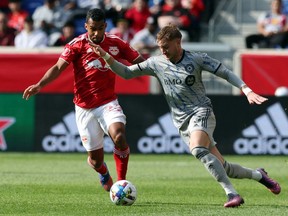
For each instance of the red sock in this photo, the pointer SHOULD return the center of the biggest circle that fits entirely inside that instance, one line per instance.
(121, 158)
(102, 169)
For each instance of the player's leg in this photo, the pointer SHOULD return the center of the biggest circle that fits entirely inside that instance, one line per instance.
(201, 127)
(239, 172)
(113, 124)
(92, 139)
(96, 161)
(121, 149)
(199, 144)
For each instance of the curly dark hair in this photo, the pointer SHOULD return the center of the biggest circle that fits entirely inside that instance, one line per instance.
(95, 14)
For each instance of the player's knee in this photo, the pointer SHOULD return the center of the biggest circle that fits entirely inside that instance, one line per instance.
(199, 152)
(119, 140)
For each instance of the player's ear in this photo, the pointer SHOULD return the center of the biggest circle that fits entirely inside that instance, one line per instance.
(86, 26)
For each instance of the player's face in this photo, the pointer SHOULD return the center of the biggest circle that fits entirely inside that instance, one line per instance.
(96, 30)
(171, 49)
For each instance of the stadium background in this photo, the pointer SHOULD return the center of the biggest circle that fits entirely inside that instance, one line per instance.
(26, 125)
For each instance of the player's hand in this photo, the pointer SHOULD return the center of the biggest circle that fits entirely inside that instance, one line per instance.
(30, 91)
(97, 49)
(254, 98)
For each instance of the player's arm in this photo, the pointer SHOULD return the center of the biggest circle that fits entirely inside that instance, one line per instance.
(48, 77)
(139, 59)
(126, 72)
(227, 74)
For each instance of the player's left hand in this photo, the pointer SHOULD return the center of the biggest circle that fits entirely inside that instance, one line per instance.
(254, 98)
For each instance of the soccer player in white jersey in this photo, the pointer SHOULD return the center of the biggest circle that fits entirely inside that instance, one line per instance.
(179, 73)
(97, 109)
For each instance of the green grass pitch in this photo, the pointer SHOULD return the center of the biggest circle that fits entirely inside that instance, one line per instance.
(169, 185)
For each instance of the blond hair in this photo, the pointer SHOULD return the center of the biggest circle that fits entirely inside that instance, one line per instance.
(168, 33)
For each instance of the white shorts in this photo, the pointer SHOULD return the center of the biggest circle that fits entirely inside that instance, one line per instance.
(204, 120)
(93, 124)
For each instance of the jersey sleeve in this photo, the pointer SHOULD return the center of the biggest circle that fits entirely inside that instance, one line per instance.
(69, 52)
(128, 72)
(207, 63)
(217, 68)
(130, 53)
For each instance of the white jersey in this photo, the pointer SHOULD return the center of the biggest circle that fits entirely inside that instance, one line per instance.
(181, 82)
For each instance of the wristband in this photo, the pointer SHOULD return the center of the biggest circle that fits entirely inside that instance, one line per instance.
(246, 90)
(106, 56)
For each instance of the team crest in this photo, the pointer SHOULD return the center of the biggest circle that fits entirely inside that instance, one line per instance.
(66, 52)
(189, 67)
(113, 50)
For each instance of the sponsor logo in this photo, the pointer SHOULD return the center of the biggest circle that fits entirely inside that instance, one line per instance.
(97, 64)
(65, 137)
(66, 52)
(190, 80)
(173, 82)
(5, 122)
(162, 137)
(268, 134)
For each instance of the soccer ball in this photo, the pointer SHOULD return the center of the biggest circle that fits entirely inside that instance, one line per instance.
(123, 193)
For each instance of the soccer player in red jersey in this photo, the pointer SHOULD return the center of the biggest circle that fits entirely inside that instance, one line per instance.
(97, 109)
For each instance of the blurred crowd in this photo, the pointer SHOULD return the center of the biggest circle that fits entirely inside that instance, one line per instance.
(55, 22)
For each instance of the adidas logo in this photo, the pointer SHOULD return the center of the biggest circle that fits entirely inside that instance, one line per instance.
(268, 134)
(65, 137)
(162, 137)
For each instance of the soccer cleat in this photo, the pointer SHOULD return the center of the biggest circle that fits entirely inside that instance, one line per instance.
(271, 184)
(106, 180)
(234, 200)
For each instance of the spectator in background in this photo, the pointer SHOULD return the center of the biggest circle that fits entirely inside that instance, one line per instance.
(48, 17)
(16, 15)
(172, 12)
(30, 37)
(196, 7)
(138, 14)
(272, 29)
(89, 4)
(68, 33)
(7, 34)
(122, 29)
(121, 5)
(144, 41)
(155, 6)
(68, 8)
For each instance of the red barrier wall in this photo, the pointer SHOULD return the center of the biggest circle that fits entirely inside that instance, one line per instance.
(264, 71)
(19, 70)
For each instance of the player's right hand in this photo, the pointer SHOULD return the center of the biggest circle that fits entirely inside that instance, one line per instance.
(98, 50)
(30, 91)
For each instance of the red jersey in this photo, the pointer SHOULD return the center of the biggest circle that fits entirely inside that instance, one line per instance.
(16, 20)
(94, 82)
